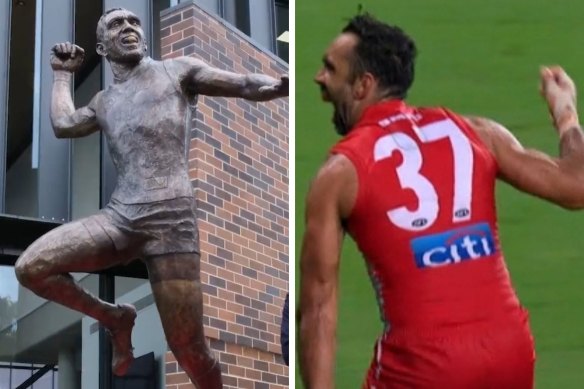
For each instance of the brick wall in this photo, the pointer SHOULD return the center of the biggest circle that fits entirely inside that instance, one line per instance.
(239, 167)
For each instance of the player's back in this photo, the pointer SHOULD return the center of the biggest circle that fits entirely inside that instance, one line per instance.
(425, 218)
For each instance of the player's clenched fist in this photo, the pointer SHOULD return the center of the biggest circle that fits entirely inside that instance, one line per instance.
(67, 56)
(560, 93)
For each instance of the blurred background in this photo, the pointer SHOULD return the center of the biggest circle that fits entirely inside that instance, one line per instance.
(480, 58)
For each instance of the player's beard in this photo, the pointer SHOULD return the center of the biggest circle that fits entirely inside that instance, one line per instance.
(340, 111)
(341, 118)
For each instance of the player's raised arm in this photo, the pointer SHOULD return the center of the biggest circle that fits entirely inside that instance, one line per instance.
(329, 200)
(66, 58)
(196, 77)
(559, 180)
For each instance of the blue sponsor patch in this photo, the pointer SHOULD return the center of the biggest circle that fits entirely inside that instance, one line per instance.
(454, 246)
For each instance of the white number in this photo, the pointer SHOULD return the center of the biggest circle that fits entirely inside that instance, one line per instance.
(463, 164)
(410, 178)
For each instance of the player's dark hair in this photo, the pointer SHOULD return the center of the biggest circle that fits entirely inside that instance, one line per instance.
(385, 51)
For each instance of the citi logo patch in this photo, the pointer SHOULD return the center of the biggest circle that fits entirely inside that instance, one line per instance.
(454, 246)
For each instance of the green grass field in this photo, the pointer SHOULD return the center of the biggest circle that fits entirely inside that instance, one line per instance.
(476, 57)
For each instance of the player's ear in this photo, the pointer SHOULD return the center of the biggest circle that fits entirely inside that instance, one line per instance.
(100, 49)
(363, 86)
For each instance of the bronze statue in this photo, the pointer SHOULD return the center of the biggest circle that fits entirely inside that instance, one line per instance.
(151, 214)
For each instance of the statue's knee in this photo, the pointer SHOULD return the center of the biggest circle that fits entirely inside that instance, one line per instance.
(23, 273)
(28, 271)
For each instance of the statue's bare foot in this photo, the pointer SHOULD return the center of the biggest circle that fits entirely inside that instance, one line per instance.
(121, 336)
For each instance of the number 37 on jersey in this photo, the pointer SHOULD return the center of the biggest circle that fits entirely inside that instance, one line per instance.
(410, 177)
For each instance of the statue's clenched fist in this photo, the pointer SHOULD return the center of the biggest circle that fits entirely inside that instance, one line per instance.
(67, 56)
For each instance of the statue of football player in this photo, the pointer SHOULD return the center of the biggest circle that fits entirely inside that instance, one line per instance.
(151, 214)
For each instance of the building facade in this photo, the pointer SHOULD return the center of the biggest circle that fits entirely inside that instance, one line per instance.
(239, 169)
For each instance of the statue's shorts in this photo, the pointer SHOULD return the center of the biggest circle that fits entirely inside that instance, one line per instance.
(149, 229)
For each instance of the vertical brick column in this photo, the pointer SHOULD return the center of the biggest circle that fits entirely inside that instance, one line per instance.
(239, 168)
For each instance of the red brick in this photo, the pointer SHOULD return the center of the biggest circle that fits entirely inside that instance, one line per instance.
(246, 251)
(176, 378)
(172, 38)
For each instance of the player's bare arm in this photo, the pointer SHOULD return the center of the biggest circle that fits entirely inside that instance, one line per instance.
(559, 180)
(196, 77)
(329, 201)
(66, 59)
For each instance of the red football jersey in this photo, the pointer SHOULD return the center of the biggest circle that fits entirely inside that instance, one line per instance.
(425, 217)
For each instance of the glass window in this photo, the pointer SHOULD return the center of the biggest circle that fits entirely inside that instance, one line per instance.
(236, 12)
(45, 382)
(20, 373)
(157, 7)
(27, 330)
(8, 311)
(21, 178)
(282, 26)
(14, 374)
(4, 378)
(213, 6)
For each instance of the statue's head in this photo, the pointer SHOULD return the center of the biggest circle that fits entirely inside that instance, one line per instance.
(120, 37)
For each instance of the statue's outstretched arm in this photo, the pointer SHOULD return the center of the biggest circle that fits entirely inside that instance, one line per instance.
(196, 77)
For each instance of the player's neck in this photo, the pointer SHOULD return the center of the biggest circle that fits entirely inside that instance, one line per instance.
(360, 107)
(124, 71)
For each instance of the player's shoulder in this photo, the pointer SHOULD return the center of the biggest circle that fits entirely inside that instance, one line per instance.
(357, 146)
(434, 112)
(334, 174)
(334, 168)
(334, 184)
(463, 121)
(488, 130)
(335, 165)
(183, 64)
